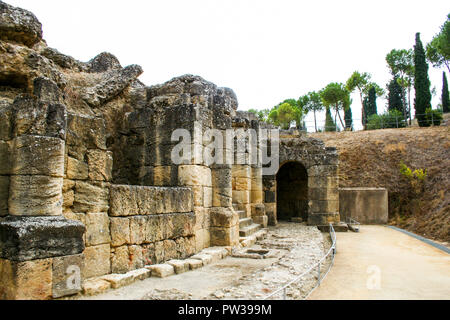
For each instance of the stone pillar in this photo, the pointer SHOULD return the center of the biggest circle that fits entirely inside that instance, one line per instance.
(270, 199)
(39, 248)
(323, 190)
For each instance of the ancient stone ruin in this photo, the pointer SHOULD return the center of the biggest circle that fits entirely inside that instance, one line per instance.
(88, 184)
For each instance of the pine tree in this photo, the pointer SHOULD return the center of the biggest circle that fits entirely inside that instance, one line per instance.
(422, 101)
(330, 125)
(445, 95)
(395, 100)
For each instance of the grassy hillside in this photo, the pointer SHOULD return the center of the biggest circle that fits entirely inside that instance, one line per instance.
(372, 158)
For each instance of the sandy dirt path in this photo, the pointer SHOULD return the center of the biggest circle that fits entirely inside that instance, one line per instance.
(382, 263)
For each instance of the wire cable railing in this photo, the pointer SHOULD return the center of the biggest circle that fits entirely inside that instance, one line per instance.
(317, 266)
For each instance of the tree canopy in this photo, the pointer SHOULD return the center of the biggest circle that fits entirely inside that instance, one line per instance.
(438, 50)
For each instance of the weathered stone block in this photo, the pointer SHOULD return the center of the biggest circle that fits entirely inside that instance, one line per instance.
(100, 165)
(32, 117)
(256, 196)
(202, 239)
(258, 210)
(120, 260)
(156, 228)
(203, 257)
(241, 196)
(5, 157)
(28, 280)
(242, 171)
(324, 206)
(36, 155)
(221, 178)
(194, 175)
(137, 259)
(222, 197)
(119, 280)
(136, 200)
(271, 212)
(198, 195)
(86, 131)
(5, 120)
(80, 217)
(161, 270)
(123, 201)
(242, 183)
(138, 227)
(183, 225)
(35, 195)
(76, 169)
(224, 236)
(30, 238)
(262, 220)
(91, 197)
(68, 198)
(180, 266)
(120, 231)
(67, 275)
(4, 195)
(163, 175)
(217, 253)
(207, 197)
(92, 287)
(97, 259)
(224, 217)
(97, 229)
(140, 274)
(170, 249)
(194, 263)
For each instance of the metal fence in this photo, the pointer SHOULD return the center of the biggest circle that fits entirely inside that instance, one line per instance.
(382, 122)
(315, 268)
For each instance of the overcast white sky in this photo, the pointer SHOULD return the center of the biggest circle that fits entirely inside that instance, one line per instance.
(266, 51)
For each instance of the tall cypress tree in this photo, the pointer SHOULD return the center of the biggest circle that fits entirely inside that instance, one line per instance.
(395, 101)
(422, 102)
(445, 96)
(330, 125)
(372, 102)
(348, 118)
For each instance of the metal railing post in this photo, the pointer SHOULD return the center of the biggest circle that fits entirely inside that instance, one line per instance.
(318, 274)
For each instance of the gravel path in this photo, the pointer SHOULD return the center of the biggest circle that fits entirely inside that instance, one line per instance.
(301, 247)
(293, 249)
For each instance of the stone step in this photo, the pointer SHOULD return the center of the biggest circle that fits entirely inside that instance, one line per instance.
(338, 227)
(247, 231)
(242, 214)
(252, 239)
(245, 222)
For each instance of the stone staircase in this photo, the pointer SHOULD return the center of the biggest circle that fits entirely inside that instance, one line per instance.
(249, 232)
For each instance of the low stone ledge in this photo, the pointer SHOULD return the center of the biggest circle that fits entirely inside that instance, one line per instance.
(180, 266)
(204, 258)
(31, 238)
(161, 270)
(194, 264)
(95, 286)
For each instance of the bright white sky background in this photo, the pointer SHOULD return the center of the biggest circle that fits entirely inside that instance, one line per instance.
(266, 51)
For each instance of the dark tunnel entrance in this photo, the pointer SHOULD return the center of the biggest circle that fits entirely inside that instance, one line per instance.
(292, 192)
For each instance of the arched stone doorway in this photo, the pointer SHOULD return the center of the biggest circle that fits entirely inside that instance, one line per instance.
(292, 191)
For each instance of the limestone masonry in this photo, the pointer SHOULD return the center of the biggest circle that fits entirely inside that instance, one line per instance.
(88, 187)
